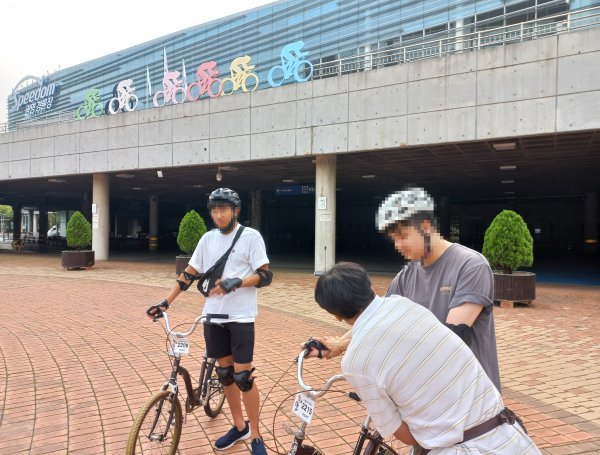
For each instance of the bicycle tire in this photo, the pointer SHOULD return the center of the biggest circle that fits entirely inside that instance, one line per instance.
(222, 86)
(98, 107)
(188, 92)
(300, 72)
(78, 112)
(131, 103)
(156, 403)
(183, 98)
(273, 82)
(155, 98)
(308, 450)
(111, 106)
(215, 395)
(378, 447)
(219, 88)
(245, 87)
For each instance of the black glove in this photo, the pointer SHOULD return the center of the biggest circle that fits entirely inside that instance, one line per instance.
(310, 344)
(230, 284)
(156, 311)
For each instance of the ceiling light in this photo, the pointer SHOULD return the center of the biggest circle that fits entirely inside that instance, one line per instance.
(197, 186)
(159, 174)
(57, 180)
(125, 176)
(505, 146)
(219, 176)
(137, 188)
(511, 167)
(368, 176)
(229, 168)
(507, 181)
(288, 181)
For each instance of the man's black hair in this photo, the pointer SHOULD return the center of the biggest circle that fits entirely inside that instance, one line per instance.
(415, 221)
(344, 290)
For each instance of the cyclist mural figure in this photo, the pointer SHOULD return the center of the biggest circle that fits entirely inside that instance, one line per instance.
(292, 64)
(92, 107)
(241, 76)
(232, 343)
(419, 381)
(124, 98)
(173, 90)
(207, 83)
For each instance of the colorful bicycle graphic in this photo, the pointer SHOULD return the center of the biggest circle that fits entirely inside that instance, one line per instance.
(92, 107)
(292, 64)
(124, 99)
(207, 82)
(241, 76)
(173, 90)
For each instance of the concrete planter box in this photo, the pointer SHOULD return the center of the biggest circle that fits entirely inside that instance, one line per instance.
(514, 287)
(181, 262)
(78, 259)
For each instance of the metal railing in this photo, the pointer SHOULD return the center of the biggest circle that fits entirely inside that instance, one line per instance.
(460, 42)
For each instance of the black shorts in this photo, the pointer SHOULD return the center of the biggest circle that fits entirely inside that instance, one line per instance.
(233, 338)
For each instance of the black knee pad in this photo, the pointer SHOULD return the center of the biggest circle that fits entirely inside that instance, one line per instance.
(243, 380)
(225, 375)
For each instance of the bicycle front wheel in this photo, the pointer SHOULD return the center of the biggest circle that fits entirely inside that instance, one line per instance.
(213, 392)
(157, 428)
(378, 447)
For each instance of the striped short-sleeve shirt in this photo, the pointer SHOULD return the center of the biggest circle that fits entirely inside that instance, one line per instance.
(408, 367)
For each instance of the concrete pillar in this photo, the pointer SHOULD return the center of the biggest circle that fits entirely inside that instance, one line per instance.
(34, 222)
(459, 34)
(590, 224)
(443, 216)
(30, 221)
(17, 218)
(153, 223)
(256, 200)
(43, 223)
(100, 216)
(325, 213)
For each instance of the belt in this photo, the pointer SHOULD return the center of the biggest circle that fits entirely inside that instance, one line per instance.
(506, 416)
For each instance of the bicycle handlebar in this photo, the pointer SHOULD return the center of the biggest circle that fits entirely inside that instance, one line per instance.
(323, 390)
(204, 318)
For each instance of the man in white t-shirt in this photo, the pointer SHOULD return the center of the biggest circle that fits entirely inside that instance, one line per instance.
(232, 341)
(419, 381)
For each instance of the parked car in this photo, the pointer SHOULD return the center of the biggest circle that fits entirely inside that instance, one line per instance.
(52, 232)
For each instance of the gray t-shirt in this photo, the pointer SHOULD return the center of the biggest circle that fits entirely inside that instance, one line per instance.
(460, 275)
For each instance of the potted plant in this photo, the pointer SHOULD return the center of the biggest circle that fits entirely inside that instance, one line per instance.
(508, 245)
(79, 237)
(191, 230)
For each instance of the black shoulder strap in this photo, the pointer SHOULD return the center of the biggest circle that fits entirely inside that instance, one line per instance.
(235, 239)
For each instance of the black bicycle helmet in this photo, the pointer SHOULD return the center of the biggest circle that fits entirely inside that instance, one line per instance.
(223, 196)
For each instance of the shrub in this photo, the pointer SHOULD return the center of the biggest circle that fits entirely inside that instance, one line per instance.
(507, 244)
(79, 232)
(191, 230)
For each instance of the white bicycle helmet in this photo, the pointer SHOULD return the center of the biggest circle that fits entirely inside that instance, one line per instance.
(402, 206)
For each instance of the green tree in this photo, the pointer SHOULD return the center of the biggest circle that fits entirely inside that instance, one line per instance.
(507, 244)
(7, 211)
(79, 232)
(191, 230)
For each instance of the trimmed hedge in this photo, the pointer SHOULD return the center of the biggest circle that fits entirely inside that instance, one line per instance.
(507, 244)
(191, 230)
(79, 232)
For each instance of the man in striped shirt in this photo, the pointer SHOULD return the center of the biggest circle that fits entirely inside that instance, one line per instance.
(419, 381)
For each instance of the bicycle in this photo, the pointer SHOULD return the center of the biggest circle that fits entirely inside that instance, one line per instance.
(304, 406)
(206, 80)
(291, 65)
(159, 424)
(91, 105)
(124, 98)
(172, 86)
(241, 73)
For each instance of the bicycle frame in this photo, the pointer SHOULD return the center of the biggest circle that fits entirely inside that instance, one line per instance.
(365, 433)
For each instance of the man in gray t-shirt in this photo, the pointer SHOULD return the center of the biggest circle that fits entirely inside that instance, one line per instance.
(454, 282)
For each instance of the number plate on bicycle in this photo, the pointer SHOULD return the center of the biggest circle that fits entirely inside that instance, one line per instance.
(304, 407)
(180, 346)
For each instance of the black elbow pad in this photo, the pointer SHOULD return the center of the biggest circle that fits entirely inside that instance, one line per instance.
(463, 331)
(265, 277)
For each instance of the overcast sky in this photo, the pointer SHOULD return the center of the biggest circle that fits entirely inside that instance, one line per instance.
(40, 36)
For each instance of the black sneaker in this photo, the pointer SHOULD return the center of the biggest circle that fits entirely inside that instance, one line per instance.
(258, 447)
(232, 436)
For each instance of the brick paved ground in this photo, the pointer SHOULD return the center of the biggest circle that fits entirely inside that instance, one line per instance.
(78, 359)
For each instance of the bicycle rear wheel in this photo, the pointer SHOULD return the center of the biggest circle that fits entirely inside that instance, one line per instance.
(157, 428)
(378, 447)
(213, 391)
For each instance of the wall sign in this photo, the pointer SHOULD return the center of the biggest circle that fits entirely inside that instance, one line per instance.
(37, 100)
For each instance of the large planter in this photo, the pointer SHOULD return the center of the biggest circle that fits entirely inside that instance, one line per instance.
(181, 262)
(77, 259)
(514, 287)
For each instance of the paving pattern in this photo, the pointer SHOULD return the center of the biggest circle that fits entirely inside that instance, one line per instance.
(78, 359)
